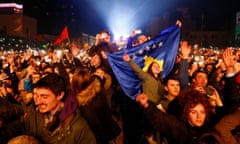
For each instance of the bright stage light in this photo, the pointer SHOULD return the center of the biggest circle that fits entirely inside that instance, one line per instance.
(120, 37)
(122, 17)
(121, 21)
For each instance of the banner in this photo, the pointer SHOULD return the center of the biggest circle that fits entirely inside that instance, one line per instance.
(163, 47)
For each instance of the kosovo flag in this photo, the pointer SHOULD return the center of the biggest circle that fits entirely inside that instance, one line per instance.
(163, 48)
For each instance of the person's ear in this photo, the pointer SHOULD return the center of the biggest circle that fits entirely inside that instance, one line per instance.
(60, 96)
(165, 88)
(193, 80)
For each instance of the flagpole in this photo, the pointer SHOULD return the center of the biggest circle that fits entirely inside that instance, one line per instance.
(69, 42)
(68, 39)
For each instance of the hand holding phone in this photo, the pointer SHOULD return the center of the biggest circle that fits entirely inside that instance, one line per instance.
(208, 91)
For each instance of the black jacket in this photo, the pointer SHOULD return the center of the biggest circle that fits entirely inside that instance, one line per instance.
(99, 118)
(175, 131)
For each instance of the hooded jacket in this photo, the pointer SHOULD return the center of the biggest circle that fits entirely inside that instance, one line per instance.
(95, 110)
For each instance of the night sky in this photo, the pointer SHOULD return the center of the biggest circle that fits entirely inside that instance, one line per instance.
(89, 16)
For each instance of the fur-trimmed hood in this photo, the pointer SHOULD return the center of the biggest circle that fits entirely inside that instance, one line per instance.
(86, 95)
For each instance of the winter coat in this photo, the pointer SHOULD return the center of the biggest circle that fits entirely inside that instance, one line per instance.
(95, 110)
(10, 112)
(175, 131)
(70, 127)
(231, 94)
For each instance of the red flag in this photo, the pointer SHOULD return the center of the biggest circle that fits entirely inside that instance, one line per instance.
(62, 37)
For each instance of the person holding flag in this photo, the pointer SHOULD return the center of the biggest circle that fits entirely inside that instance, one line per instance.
(151, 79)
(140, 69)
(161, 50)
(151, 85)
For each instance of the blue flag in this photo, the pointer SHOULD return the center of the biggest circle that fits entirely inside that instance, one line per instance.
(163, 47)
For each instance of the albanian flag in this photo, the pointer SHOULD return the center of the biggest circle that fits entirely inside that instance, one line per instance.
(64, 35)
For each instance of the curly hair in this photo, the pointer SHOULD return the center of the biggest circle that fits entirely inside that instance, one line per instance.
(190, 98)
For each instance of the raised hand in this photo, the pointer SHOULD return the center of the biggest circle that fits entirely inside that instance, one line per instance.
(179, 23)
(126, 57)
(142, 99)
(185, 50)
(97, 39)
(228, 58)
(230, 62)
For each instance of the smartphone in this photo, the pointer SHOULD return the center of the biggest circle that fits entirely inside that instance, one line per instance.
(138, 31)
(38, 63)
(102, 36)
(208, 91)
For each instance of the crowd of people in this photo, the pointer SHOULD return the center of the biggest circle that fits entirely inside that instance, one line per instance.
(72, 96)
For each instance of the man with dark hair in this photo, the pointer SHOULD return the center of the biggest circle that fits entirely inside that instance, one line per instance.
(200, 83)
(103, 44)
(56, 119)
(103, 36)
(172, 89)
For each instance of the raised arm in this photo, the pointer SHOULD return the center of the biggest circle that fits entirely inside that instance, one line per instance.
(139, 72)
(168, 125)
(231, 93)
(184, 65)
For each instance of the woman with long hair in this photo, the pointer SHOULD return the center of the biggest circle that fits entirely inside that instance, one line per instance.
(93, 106)
(152, 84)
